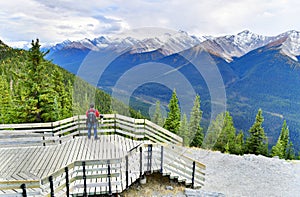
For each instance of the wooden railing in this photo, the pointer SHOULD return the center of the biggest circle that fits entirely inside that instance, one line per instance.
(94, 177)
(38, 134)
(108, 176)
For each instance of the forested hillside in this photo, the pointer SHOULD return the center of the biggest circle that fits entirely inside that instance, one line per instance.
(33, 89)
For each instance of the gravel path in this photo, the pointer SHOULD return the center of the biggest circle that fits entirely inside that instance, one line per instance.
(248, 175)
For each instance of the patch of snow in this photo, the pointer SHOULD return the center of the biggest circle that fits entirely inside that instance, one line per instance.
(288, 53)
(291, 46)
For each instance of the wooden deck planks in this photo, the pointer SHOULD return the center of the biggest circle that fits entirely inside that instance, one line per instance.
(8, 156)
(81, 147)
(54, 161)
(73, 151)
(39, 162)
(34, 157)
(28, 154)
(46, 161)
(64, 155)
(14, 164)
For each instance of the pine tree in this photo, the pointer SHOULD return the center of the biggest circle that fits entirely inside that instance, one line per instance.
(280, 149)
(257, 141)
(184, 131)
(5, 101)
(226, 138)
(157, 116)
(239, 144)
(47, 96)
(172, 122)
(284, 147)
(195, 130)
(38, 75)
(198, 139)
(290, 152)
(66, 100)
(63, 100)
(285, 136)
(213, 132)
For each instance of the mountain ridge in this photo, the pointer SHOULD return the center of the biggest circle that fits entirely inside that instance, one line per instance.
(227, 47)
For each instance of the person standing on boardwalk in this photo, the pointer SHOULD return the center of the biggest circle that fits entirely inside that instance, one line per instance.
(92, 114)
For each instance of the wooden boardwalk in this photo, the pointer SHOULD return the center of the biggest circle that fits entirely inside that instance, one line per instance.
(34, 163)
(66, 162)
(37, 162)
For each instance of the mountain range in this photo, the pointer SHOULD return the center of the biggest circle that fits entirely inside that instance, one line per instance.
(226, 47)
(257, 71)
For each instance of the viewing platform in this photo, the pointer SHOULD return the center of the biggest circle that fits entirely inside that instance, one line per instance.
(57, 159)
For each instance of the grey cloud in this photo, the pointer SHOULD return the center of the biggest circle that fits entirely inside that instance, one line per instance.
(63, 26)
(58, 20)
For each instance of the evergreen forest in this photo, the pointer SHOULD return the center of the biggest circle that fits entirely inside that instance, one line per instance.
(221, 134)
(33, 89)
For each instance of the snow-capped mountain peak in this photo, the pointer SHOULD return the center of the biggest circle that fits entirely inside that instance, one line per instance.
(291, 45)
(168, 43)
(248, 40)
(230, 46)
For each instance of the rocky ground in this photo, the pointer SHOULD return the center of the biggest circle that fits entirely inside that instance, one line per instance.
(249, 175)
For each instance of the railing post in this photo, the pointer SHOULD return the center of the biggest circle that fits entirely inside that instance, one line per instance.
(51, 186)
(59, 138)
(135, 125)
(127, 174)
(161, 159)
(141, 162)
(115, 123)
(44, 144)
(54, 141)
(84, 179)
(144, 128)
(23, 187)
(109, 181)
(78, 126)
(52, 127)
(59, 128)
(67, 182)
(149, 161)
(193, 175)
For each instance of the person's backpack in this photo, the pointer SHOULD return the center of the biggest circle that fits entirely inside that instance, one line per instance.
(91, 117)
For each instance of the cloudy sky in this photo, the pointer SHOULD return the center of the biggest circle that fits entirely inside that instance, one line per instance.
(53, 21)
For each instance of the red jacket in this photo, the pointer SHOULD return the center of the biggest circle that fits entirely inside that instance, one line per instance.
(92, 109)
